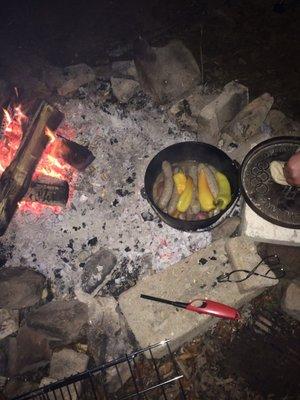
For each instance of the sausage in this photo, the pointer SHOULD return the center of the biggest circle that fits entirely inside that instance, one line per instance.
(195, 205)
(168, 187)
(159, 181)
(173, 201)
(211, 179)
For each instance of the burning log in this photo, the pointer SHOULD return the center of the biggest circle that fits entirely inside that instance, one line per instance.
(16, 179)
(48, 190)
(76, 155)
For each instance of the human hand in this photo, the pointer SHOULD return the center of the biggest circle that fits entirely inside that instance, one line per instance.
(292, 170)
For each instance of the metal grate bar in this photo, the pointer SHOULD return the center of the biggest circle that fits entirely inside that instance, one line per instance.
(157, 374)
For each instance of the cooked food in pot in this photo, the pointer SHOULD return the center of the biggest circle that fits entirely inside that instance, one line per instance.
(191, 191)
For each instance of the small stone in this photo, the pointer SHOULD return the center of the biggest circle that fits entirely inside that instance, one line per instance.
(124, 89)
(9, 322)
(96, 268)
(226, 228)
(20, 287)
(61, 321)
(202, 261)
(291, 300)
(67, 362)
(147, 216)
(248, 121)
(167, 73)
(75, 76)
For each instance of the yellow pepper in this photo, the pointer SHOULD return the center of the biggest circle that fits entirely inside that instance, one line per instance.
(206, 199)
(224, 195)
(185, 198)
(180, 181)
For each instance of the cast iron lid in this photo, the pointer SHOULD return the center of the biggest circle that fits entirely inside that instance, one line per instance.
(276, 203)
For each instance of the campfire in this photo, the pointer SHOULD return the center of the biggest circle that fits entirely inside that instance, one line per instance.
(38, 161)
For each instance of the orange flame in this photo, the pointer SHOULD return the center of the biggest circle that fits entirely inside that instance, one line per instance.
(51, 163)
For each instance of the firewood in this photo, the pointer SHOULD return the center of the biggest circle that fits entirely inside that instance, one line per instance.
(76, 155)
(16, 179)
(48, 190)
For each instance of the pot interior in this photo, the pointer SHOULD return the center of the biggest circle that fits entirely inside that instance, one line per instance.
(194, 151)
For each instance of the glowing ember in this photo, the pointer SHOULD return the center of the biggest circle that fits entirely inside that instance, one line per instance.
(51, 162)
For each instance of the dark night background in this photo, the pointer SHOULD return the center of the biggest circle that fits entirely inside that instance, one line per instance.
(256, 41)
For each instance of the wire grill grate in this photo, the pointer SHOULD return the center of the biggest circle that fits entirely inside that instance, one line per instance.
(135, 376)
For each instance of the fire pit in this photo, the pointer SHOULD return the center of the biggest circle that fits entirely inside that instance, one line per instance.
(36, 164)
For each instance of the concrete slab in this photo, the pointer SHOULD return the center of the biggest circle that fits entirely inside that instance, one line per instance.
(193, 277)
(260, 230)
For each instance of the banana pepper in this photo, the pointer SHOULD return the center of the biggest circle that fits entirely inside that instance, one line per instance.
(224, 195)
(206, 198)
(180, 181)
(185, 198)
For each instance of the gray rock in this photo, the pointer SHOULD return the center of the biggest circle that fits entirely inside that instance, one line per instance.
(226, 228)
(75, 76)
(20, 287)
(17, 387)
(108, 336)
(124, 69)
(9, 322)
(238, 153)
(193, 277)
(281, 125)
(29, 351)
(67, 362)
(53, 77)
(124, 89)
(248, 122)
(167, 73)
(291, 300)
(218, 113)
(97, 267)
(63, 322)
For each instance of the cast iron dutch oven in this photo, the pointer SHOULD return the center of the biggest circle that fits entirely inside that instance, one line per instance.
(275, 203)
(200, 152)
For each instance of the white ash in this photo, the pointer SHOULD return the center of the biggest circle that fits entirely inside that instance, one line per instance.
(107, 206)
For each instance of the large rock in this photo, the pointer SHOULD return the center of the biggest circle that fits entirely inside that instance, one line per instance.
(67, 362)
(96, 268)
(281, 125)
(74, 77)
(124, 69)
(261, 230)
(167, 73)
(124, 89)
(248, 122)
(20, 287)
(218, 113)
(29, 351)
(291, 300)
(62, 321)
(9, 322)
(108, 335)
(193, 277)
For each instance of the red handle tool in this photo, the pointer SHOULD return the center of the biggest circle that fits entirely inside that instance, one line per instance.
(200, 306)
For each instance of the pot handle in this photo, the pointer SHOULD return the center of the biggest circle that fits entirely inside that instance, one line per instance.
(236, 164)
